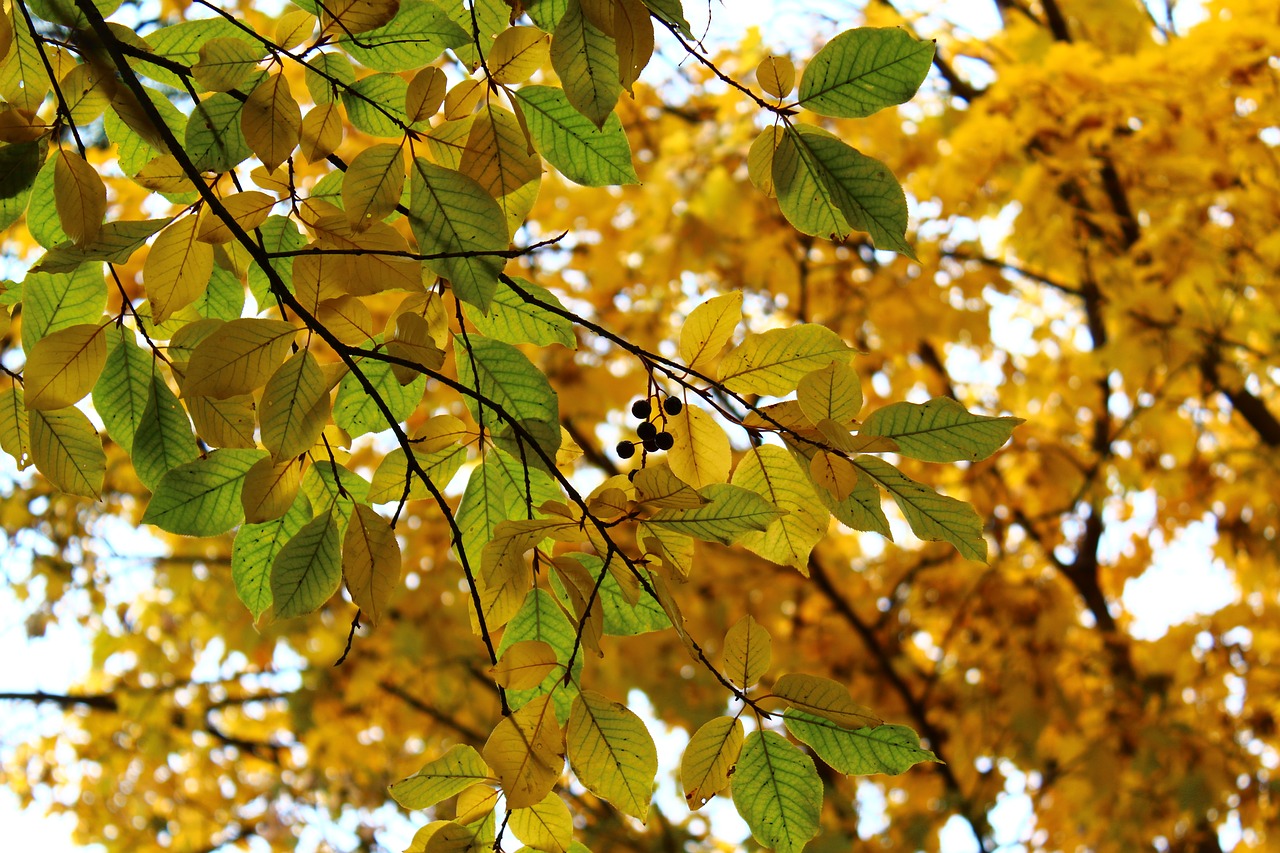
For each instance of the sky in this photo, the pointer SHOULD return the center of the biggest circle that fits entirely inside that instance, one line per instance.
(1185, 579)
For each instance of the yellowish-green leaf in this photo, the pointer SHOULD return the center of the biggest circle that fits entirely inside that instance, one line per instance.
(709, 759)
(248, 209)
(308, 570)
(426, 93)
(517, 52)
(15, 438)
(586, 61)
(830, 393)
(271, 121)
(370, 562)
(829, 699)
(748, 651)
(770, 472)
(777, 791)
(224, 423)
(66, 449)
(526, 751)
(295, 406)
(524, 665)
(372, 184)
(863, 70)
(177, 269)
(225, 63)
(776, 75)
(658, 486)
(80, 196)
(612, 753)
(933, 517)
(546, 826)
(709, 327)
(701, 454)
(414, 343)
(441, 778)
(775, 361)
(64, 365)
(862, 751)
(497, 155)
(732, 512)
(239, 359)
(940, 430)
(269, 489)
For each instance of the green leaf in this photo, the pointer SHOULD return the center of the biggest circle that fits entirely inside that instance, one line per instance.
(356, 410)
(53, 301)
(254, 551)
(415, 37)
(15, 437)
(861, 510)
(546, 13)
(862, 751)
(539, 618)
(491, 18)
(19, 164)
(375, 104)
(621, 617)
(279, 234)
(861, 71)
(66, 449)
(124, 387)
(181, 43)
(709, 759)
(295, 406)
(223, 299)
(612, 753)
(330, 486)
(504, 376)
(202, 498)
(42, 213)
(775, 361)
(116, 242)
(827, 188)
(777, 791)
(213, 138)
(828, 699)
(672, 12)
(939, 430)
(308, 569)
(514, 319)
(163, 439)
(932, 516)
(450, 212)
(441, 778)
(135, 151)
(772, 473)
(732, 511)
(586, 61)
(582, 152)
(388, 480)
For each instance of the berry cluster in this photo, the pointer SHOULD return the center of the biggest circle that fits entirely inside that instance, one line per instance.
(651, 438)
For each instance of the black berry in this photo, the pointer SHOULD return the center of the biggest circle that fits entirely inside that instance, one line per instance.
(672, 406)
(646, 431)
(651, 445)
(625, 449)
(641, 409)
(665, 441)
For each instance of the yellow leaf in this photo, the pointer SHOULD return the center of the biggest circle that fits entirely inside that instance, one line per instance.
(347, 318)
(476, 802)
(294, 28)
(224, 423)
(497, 155)
(776, 75)
(413, 343)
(177, 269)
(63, 366)
(321, 131)
(526, 752)
(372, 185)
(709, 758)
(15, 438)
(269, 489)
(709, 328)
(834, 473)
(248, 209)
(84, 92)
(320, 276)
(772, 473)
(830, 393)
(517, 53)
(657, 486)
(80, 197)
(546, 826)
(775, 361)
(426, 91)
(225, 63)
(523, 666)
(701, 454)
(295, 406)
(163, 174)
(824, 697)
(66, 449)
(370, 561)
(760, 159)
(239, 359)
(439, 432)
(748, 650)
(633, 37)
(462, 99)
(350, 17)
(271, 121)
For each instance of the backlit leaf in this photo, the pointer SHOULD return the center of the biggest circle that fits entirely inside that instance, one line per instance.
(271, 120)
(775, 361)
(830, 393)
(526, 751)
(67, 450)
(202, 498)
(270, 489)
(708, 328)
(612, 753)
(177, 268)
(64, 365)
(709, 759)
(295, 406)
(372, 184)
(770, 472)
(859, 752)
(81, 196)
(241, 358)
(450, 774)
(370, 562)
(308, 569)
(701, 454)
(587, 62)
(15, 437)
(829, 699)
(517, 316)
(594, 156)
(517, 53)
(163, 440)
(254, 551)
(732, 512)
(777, 791)
(546, 826)
(748, 651)
(933, 517)
(940, 430)
(524, 665)
(863, 70)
